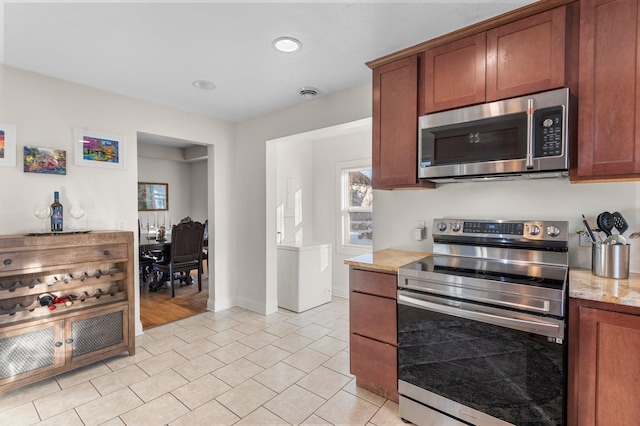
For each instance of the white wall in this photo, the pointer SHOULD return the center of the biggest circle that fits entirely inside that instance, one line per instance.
(45, 111)
(395, 212)
(199, 190)
(294, 198)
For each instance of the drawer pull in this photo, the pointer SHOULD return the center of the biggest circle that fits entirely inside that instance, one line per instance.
(7, 262)
(106, 253)
(69, 341)
(58, 344)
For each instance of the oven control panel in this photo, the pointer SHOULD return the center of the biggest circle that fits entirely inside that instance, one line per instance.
(503, 229)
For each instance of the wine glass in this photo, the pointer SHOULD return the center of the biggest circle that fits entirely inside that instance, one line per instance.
(76, 211)
(42, 212)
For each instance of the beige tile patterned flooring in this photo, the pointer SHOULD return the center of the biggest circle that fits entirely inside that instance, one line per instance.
(229, 367)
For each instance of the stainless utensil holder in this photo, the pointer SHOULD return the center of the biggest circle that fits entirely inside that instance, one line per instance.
(610, 260)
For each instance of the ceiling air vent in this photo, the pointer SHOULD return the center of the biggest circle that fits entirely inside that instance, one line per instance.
(308, 92)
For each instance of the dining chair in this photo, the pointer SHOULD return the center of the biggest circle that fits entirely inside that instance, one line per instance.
(186, 255)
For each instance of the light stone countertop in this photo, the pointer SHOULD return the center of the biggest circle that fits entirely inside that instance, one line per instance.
(388, 260)
(584, 285)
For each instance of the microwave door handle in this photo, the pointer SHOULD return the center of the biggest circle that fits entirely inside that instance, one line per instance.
(530, 135)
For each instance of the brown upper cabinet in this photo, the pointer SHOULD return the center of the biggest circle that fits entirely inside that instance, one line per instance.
(609, 110)
(454, 74)
(526, 56)
(395, 124)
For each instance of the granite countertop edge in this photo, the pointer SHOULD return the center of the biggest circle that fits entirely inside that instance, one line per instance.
(387, 260)
(582, 283)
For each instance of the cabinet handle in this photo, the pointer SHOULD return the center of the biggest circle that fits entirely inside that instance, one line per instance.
(106, 253)
(58, 344)
(7, 262)
(69, 341)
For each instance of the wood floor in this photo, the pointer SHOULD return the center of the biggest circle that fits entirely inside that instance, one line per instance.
(157, 308)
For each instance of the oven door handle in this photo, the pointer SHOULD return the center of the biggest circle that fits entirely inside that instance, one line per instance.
(537, 327)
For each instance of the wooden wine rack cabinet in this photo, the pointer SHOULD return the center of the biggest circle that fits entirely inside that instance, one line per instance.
(95, 270)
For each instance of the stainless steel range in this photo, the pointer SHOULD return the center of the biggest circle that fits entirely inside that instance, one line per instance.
(481, 325)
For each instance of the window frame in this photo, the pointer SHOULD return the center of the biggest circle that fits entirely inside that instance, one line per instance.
(342, 211)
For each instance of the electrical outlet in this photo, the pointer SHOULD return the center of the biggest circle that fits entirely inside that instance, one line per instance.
(419, 231)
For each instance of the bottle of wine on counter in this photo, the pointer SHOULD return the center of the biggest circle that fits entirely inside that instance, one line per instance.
(56, 213)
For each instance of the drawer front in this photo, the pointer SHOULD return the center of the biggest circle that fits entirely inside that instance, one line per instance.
(374, 317)
(36, 260)
(374, 362)
(377, 283)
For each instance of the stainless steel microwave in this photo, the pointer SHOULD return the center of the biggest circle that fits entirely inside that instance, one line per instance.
(524, 137)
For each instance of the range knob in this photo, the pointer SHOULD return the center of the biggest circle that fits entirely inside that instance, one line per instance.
(441, 226)
(455, 226)
(553, 231)
(534, 229)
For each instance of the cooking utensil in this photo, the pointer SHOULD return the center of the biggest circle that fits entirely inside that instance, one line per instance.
(605, 222)
(589, 231)
(615, 239)
(620, 223)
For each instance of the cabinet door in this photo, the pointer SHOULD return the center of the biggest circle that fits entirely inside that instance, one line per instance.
(608, 368)
(375, 365)
(454, 74)
(527, 56)
(97, 332)
(29, 351)
(609, 114)
(395, 124)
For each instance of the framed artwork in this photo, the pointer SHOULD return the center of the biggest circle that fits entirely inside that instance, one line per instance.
(153, 196)
(7, 145)
(45, 160)
(95, 149)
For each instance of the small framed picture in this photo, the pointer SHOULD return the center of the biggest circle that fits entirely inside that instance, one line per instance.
(153, 196)
(7, 145)
(45, 160)
(96, 149)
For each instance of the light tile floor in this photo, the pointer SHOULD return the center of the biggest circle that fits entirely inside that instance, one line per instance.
(229, 367)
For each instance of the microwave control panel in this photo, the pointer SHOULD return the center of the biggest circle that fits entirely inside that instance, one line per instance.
(549, 132)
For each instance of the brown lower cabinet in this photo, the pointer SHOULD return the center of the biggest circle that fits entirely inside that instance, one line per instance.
(373, 331)
(604, 364)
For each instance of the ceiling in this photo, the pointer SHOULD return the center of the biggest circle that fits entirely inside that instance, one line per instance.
(154, 51)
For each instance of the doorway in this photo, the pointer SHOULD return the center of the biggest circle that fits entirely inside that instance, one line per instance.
(182, 165)
(302, 196)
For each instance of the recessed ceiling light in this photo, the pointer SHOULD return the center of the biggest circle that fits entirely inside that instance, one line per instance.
(204, 85)
(287, 44)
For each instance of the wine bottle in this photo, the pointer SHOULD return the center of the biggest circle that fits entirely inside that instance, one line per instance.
(56, 213)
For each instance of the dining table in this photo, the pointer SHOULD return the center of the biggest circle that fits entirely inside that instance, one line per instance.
(150, 244)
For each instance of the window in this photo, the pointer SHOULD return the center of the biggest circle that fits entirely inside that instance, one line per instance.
(356, 206)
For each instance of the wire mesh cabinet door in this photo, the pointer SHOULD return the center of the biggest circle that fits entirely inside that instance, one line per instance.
(29, 351)
(91, 334)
